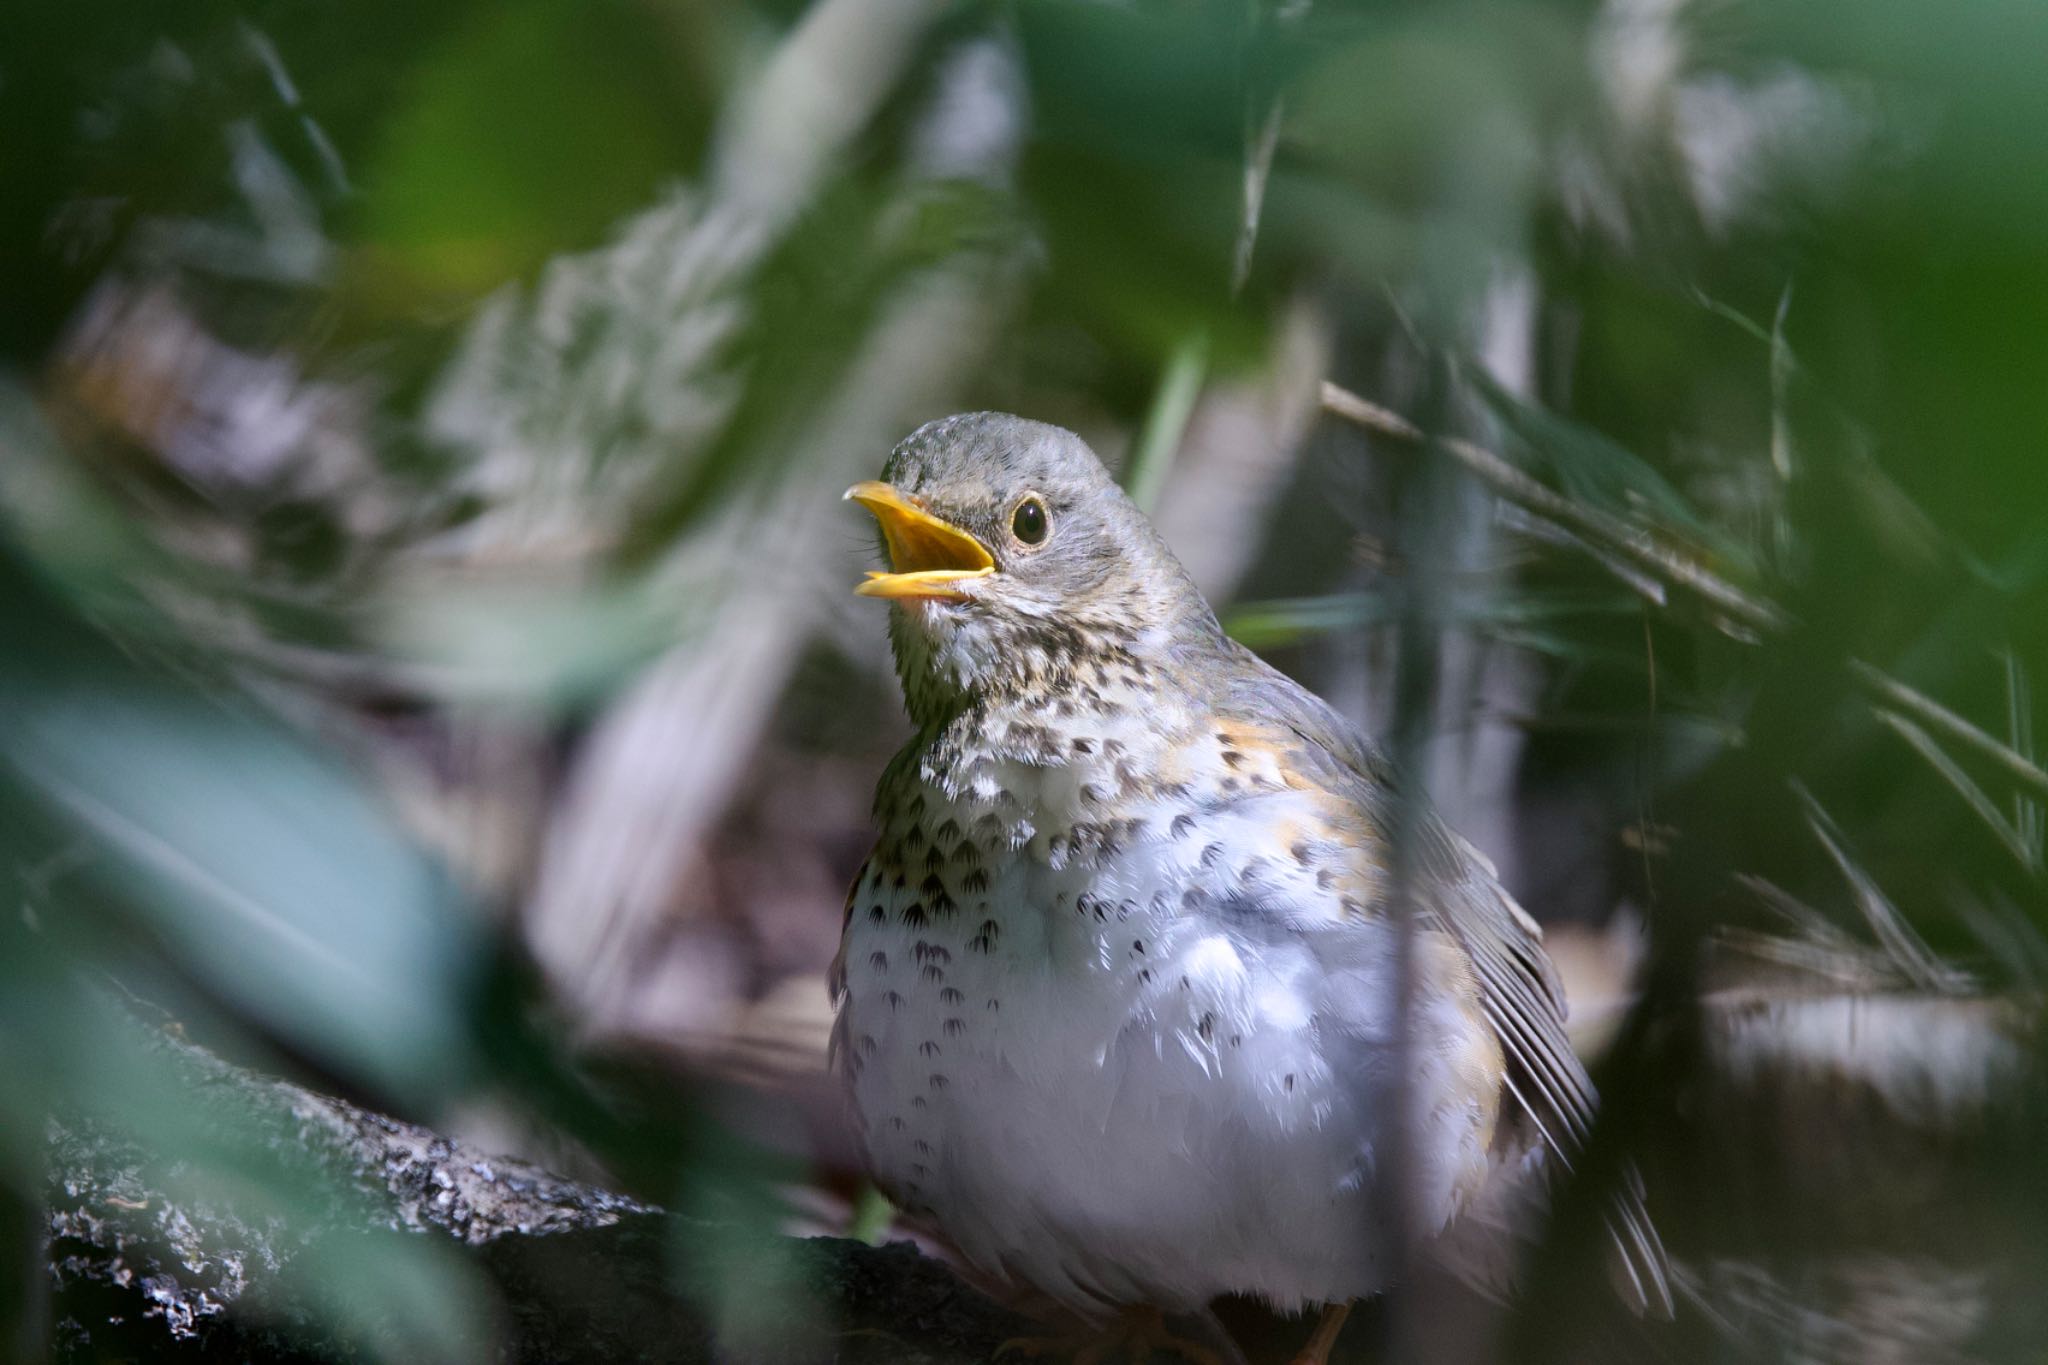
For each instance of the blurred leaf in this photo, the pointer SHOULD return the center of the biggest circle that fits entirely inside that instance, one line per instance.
(1180, 384)
(1134, 172)
(540, 124)
(266, 871)
(551, 643)
(813, 301)
(397, 1296)
(211, 1170)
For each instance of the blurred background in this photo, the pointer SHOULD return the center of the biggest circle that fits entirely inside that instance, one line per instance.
(429, 671)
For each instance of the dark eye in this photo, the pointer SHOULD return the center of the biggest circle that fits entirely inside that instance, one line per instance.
(1028, 522)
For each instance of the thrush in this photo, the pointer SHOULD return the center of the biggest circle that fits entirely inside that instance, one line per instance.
(1119, 993)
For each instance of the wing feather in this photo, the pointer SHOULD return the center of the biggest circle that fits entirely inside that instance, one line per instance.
(1521, 996)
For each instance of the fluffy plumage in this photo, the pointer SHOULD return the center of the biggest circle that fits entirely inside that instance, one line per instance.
(1117, 992)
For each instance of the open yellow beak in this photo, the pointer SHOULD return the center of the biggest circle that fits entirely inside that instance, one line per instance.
(927, 557)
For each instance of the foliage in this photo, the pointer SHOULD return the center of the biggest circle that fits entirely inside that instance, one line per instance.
(455, 371)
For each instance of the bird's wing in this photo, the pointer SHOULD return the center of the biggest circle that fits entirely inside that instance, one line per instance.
(1457, 888)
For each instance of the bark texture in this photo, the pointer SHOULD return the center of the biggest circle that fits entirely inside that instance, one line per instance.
(142, 1265)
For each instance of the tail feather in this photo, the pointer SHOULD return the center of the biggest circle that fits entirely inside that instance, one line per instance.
(1639, 1261)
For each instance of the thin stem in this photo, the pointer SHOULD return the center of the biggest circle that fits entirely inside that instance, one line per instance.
(1174, 402)
(1633, 543)
(1931, 713)
(1664, 561)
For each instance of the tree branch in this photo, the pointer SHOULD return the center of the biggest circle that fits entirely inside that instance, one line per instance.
(578, 1273)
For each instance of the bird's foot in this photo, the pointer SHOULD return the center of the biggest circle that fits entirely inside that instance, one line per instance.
(1137, 1335)
(1320, 1341)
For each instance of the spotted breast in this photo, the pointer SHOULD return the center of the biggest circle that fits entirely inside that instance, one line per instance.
(1117, 1014)
(1118, 994)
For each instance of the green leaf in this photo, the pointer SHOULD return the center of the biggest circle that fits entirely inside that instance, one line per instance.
(260, 864)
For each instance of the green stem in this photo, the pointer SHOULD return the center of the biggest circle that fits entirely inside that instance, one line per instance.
(1179, 385)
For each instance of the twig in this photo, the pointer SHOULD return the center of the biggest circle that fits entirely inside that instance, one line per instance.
(1891, 692)
(1636, 545)
(1986, 809)
(1902, 944)
(1633, 543)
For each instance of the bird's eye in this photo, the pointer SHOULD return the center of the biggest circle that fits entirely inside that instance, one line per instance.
(1028, 523)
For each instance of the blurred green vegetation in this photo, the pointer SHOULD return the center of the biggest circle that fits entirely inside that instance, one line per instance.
(399, 369)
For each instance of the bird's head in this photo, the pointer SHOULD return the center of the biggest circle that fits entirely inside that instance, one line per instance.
(1013, 557)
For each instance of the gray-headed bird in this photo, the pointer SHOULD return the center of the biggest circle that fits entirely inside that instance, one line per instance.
(1119, 991)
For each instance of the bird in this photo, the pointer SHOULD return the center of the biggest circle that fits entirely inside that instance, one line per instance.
(1118, 998)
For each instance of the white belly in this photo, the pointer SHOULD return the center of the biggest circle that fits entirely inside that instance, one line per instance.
(1119, 1096)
